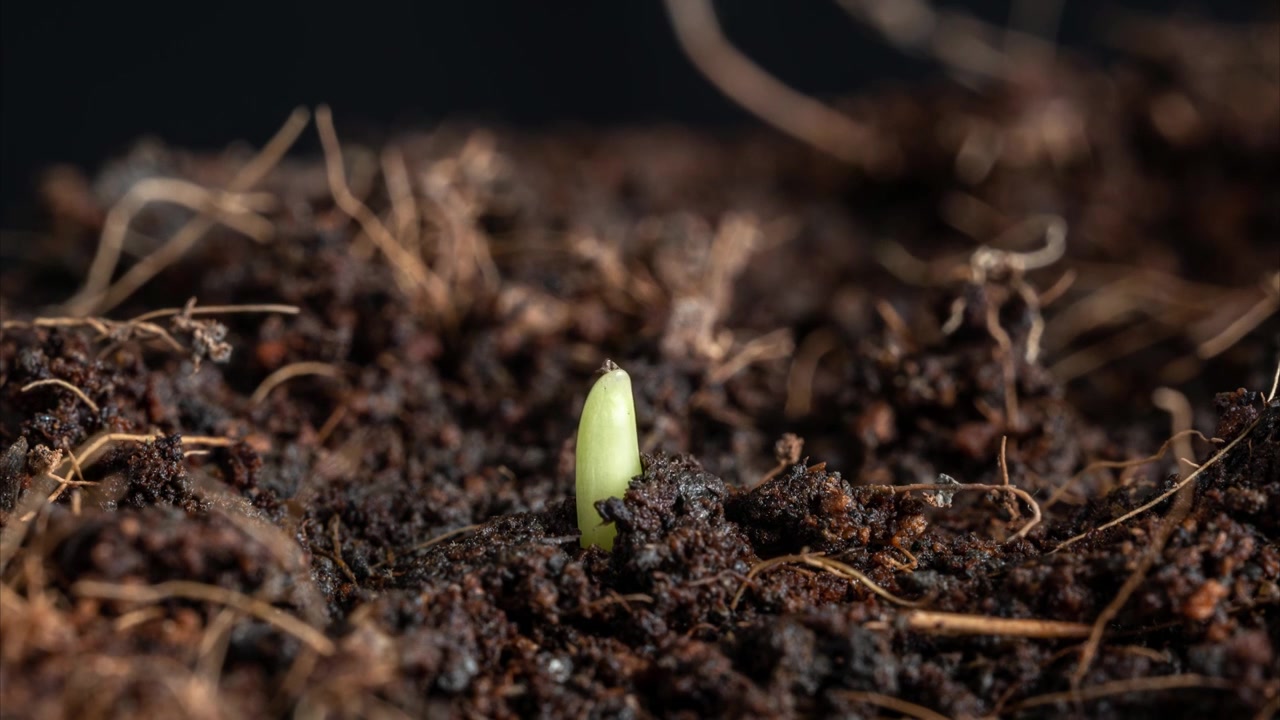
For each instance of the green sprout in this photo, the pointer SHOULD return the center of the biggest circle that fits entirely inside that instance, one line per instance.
(608, 454)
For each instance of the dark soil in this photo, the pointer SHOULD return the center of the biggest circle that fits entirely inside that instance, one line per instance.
(395, 536)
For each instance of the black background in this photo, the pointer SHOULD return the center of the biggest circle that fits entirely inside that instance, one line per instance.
(82, 80)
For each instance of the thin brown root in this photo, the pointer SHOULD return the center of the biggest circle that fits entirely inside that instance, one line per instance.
(1243, 325)
(122, 331)
(147, 594)
(888, 702)
(288, 372)
(1179, 409)
(747, 84)
(893, 321)
(1275, 385)
(787, 452)
(946, 623)
(288, 554)
(235, 210)
(331, 423)
(39, 495)
(405, 214)
(1168, 493)
(1120, 687)
(1121, 345)
(134, 618)
(1180, 414)
(1023, 495)
(772, 346)
(968, 48)
(804, 367)
(1035, 333)
(463, 254)
(204, 340)
(446, 536)
(1271, 709)
(614, 598)
(1012, 418)
(410, 273)
(212, 651)
(1004, 461)
(217, 310)
(911, 270)
(1058, 288)
(335, 539)
(1120, 464)
(186, 237)
(14, 532)
(987, 259)
(820, 561)
(64, 385)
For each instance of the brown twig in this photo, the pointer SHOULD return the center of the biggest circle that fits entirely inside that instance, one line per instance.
(201, 592)
(66, 386)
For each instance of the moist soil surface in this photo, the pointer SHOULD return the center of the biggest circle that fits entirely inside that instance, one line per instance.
(916, 432)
